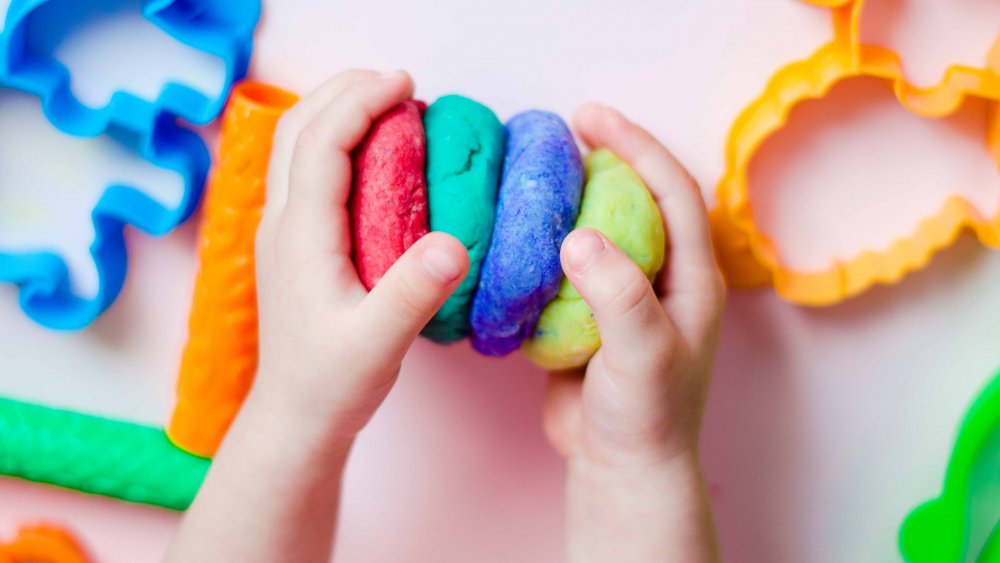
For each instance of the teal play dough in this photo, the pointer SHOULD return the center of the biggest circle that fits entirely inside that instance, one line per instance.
(465, 143)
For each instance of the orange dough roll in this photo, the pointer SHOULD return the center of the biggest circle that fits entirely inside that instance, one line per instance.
(220, 357)
(43, 543)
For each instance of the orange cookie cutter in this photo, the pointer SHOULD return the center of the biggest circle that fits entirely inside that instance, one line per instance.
(220, 358)
(750, 259)
(43, 544)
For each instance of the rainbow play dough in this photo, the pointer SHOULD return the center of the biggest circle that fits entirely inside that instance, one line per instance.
(389, 200)
(617, 203)
(537, 205)
(464, 155)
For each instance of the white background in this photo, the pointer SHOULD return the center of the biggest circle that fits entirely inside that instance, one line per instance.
(825, 426)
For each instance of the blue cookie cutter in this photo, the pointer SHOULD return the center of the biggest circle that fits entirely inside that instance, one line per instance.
(223, 28)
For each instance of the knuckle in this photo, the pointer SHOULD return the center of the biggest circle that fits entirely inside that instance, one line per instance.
(286, 130)
(354, 112)
(280, 234)
(614, 123)
(350, 74)
(286, 247)
(309, 139)
(692, 182)
(263, 237)
(629, 298)
(715, 291)
(272, 209)
(719, 290)
(404, 300)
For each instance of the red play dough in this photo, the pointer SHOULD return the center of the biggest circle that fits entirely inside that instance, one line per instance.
(389, 200)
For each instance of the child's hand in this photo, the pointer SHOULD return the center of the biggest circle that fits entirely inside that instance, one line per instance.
(329, 351)
(629, 429)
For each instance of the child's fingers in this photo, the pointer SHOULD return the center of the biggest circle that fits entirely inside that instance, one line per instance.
(315, 220)
(628, 314)
(412, 291)
(321, 165)
(283, 146)
(291, 125)
(691, 283)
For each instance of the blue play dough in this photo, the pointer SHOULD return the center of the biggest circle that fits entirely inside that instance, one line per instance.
(537, 205)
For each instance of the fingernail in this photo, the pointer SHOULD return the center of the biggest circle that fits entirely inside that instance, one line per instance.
(584, 249)
(389, 75)
(441, 265)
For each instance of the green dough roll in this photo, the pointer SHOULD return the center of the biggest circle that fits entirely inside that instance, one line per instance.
(616, 203)
(465, 144)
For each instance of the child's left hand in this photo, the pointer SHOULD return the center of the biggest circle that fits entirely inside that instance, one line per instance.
(329, 351)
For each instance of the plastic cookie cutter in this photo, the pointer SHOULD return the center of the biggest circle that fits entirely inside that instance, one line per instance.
(43, 543)
(963, 524)
(220, 357)
(749, 258)
(223, 28)
(46, 289)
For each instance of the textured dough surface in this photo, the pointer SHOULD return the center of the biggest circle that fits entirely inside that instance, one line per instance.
(389, 198)
(537, 205)
(465, 142)
(616, 203)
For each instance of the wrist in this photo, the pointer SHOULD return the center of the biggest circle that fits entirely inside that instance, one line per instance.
(279, 416)
(639, 512)
(338, 401)
(631, 478)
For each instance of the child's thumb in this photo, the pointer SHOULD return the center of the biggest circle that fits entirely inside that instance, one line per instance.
(413, 290)
(627, 311)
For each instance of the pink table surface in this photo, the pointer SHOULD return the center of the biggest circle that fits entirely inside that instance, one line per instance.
(824, 427)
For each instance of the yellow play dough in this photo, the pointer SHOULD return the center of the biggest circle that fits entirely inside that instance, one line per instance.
(616, 203)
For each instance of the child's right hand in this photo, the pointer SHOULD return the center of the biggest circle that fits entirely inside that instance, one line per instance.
(630, 428)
